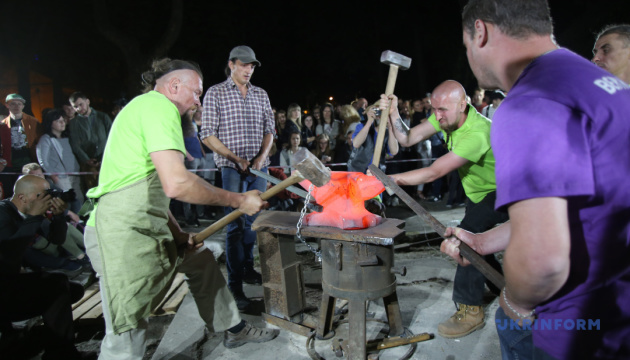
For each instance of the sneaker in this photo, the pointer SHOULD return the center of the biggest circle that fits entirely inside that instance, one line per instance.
(249, 334)
(433, 199)
(252, 277)
(242, 302)
(448, 206)
(465, 320)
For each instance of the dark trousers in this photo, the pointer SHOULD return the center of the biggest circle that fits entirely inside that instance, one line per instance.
(240, 238)
(469, 283)
(50, 295)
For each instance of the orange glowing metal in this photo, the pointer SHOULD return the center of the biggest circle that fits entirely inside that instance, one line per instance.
(342, 199)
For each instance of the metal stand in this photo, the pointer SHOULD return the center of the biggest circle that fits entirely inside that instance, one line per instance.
(357, 265)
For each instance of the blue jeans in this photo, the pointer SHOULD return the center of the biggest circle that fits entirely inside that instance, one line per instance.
(516, 343)
(240, 239)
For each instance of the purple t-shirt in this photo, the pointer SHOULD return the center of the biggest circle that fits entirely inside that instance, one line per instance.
(564, 131)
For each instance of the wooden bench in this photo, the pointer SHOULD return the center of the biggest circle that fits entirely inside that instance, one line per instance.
(89, 307)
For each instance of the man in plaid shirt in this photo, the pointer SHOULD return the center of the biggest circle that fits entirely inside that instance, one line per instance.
(238, 126)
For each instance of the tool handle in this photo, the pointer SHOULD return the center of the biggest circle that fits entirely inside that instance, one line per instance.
(466, 251)
(224, 221)
(382, 126)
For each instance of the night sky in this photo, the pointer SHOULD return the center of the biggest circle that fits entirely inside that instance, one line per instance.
(309, 50)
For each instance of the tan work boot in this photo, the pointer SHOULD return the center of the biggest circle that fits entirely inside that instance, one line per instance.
(466, 320)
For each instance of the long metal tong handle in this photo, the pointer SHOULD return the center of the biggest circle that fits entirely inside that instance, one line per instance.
(466, 251)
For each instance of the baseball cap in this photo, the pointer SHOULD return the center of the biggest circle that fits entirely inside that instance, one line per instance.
(17, 97)
(245, 54)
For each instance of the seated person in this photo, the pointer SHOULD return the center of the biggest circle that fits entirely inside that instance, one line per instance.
(26, 295)
(68, 257)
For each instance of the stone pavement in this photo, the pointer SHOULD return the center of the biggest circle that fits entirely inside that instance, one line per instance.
(424, 295)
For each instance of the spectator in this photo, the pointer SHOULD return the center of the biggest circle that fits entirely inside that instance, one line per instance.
(88, 135)
(194, 160)
(323, 150)
(342, 153)
(364, 141)
(349, 120)
(496, 97)
(68, 257)
(284, 128)
(328, 125)
(478, 99)
(307, 132)
(69, 113)
(26, 295)
(19, 134)
(224, 118)
(55, 156)
(286, 154)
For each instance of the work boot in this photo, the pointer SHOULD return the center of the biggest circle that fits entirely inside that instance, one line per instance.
(249, 334)
(466, 320)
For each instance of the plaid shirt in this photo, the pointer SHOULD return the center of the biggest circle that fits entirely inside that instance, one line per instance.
(240, 124)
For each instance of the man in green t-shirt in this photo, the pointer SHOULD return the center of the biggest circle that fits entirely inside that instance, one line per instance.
(132, 239)
(467, 135)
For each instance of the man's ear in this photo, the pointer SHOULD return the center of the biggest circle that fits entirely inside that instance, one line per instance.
(480, 38)
(174, 84)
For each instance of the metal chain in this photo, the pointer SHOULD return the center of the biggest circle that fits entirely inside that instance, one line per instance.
(318, 254)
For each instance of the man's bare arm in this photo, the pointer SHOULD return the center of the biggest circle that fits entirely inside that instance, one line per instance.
(179, 183)
(442, 166)
(536, 261)
(265, 147)
(218, 147)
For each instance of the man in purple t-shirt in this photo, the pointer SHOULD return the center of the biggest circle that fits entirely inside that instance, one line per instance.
(567, 246)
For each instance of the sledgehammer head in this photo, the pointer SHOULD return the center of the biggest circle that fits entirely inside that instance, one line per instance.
(389, 57)
(310, 167)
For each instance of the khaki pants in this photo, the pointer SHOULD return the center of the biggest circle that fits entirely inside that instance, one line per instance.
(215, 302)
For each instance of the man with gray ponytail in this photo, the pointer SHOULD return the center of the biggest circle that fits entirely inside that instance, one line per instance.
(135, 244)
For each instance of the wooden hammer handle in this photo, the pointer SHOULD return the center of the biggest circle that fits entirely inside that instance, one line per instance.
(382, 126)
(466, 251)
(295, 178)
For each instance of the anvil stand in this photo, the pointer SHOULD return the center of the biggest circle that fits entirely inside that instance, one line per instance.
(357, 265)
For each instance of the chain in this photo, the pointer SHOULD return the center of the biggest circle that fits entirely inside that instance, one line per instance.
(318, 254)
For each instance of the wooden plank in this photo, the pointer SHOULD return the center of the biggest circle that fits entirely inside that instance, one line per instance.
(171, 306)
(86, 306)
(177, 282)
(88, 293)
(95, 313)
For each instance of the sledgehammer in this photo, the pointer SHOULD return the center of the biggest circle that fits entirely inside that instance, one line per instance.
(395, 61)
(475, 259)
(307, 167)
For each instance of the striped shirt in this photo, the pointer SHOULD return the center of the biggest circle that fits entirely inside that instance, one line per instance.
(240, 124)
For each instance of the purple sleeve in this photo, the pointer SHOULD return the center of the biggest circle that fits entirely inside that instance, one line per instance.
(541, 149)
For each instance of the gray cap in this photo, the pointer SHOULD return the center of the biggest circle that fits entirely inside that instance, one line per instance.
(15, 97)
(245, 54)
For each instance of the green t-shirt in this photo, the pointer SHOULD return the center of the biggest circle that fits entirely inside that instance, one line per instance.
(472, 142)
(150, 122)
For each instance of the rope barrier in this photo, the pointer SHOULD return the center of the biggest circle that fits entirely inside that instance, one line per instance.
(213, 169)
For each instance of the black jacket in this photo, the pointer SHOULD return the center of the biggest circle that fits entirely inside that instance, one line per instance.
(17, 233)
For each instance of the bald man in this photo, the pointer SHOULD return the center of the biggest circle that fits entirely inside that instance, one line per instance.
(467, 135)
(611, 51)
(26, 295)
